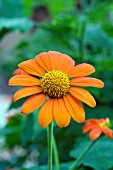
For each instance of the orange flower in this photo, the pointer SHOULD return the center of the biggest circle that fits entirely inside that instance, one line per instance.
(97, 127)
(52, 80)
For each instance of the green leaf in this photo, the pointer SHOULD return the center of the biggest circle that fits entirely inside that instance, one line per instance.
(13, 9)
(97, 37)
(59, 6)
(28, 129)
(27, 6)
(31, 129)
(20, 24)
(17, 104)
(37, 128)
(63, 166)
(99, 156)
(12, 130)
(45, 40)
(6, 131)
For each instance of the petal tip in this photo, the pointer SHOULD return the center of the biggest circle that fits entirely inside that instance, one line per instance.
(20, 64)
(9, 82)
(81, 120)
(14, 99)
(93, 69)
(41, 123)
(93, 105)
(23, 112)
(63, 126)
(102, 84)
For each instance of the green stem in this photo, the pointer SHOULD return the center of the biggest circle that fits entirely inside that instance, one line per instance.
(76, 163)
(82, 29)
(50, 140)
(56, 157)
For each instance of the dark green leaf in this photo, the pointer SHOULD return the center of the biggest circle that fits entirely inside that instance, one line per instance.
(99, 156)
(17, 104)
(28, 129)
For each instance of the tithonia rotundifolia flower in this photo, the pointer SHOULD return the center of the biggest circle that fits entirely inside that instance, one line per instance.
(52, 81)
(97, 127)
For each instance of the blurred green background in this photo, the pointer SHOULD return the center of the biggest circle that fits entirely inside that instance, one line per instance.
(83, 29)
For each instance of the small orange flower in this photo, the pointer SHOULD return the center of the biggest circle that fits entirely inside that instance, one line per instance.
(97, 127)
(52, 80)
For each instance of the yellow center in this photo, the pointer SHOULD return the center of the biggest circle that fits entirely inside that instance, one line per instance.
(55, 84)
(105, 124)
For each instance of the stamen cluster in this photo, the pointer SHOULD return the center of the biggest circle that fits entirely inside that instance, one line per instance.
(55, 84)
(105, 124)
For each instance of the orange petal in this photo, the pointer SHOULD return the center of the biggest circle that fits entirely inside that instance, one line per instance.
(92, 121)
(19, 71)
(60, 113)
(74, 108)
(102, 120)
(26, 91)
(31, 67)
(54, 60)
(83, 95)
(87, 127)
(66, 63)
(108, 132)
(60, 61)
(23, 80)
(43, 61)
(87, 82)
(81, 70)
(45, 115)
(33, 103)
(95, 133)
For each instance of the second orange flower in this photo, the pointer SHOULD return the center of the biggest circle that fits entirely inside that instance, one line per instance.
(97, 127)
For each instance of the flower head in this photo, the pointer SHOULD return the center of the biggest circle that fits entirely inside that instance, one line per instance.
(52, 81)
(97, 127)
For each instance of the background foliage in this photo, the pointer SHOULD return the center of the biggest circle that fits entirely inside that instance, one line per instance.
(83, 29)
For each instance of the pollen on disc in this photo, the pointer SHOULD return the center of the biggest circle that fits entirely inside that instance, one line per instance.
(55, 84)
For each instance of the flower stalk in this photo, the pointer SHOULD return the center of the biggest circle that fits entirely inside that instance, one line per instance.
(77, 162)
(56, 157)
(50, 142)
